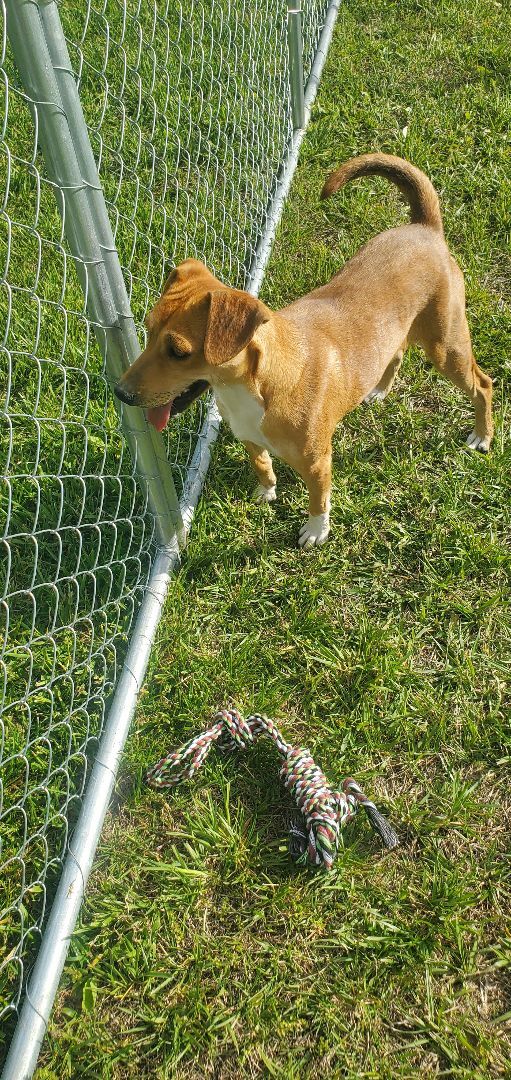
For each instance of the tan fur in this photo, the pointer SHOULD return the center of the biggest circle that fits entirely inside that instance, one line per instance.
(309, 364)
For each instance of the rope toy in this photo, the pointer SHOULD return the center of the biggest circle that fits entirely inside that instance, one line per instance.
(323, 811)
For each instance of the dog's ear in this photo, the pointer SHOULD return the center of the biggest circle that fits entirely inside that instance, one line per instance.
(170, 281)
(233, 319)
(185, 270)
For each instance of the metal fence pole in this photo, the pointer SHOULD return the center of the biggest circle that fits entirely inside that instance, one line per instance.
(42, 986)
(48, 78)
(295, 44)
(276, 205)
(45, 977)
(64, 141)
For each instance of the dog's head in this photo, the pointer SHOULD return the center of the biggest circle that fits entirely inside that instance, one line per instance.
(197, 325)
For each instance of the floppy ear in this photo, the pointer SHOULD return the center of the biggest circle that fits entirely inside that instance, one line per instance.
(187, 269)
(169, 282)
(232, 322)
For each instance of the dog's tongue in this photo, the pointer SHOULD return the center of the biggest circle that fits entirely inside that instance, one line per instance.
(159, 416)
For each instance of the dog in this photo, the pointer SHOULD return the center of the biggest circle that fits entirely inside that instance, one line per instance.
(284, 379)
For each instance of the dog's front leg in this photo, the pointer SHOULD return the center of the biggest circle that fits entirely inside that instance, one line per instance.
(317, 473)
(266, 490)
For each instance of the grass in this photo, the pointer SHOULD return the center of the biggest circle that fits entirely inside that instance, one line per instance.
(200, 950)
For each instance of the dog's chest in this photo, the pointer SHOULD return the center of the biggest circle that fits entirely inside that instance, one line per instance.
(243, 413)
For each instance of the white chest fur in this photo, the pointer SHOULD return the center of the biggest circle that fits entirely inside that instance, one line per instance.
(243, 412)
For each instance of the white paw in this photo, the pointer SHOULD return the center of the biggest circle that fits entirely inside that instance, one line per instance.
(265, 494)
(315, 531)
(375, 395)
(479, 442)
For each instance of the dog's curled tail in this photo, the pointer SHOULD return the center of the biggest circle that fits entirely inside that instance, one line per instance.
(412, 183)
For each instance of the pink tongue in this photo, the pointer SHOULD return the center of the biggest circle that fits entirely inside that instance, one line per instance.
(159, 416)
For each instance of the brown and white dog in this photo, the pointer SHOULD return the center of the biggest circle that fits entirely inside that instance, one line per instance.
(283, 380)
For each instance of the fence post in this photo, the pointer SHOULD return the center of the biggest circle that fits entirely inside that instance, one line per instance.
(295, 45)
(274, 209)
(38, 43)
(41, 52)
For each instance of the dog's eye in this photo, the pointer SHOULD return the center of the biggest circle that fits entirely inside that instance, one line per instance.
(176, 353)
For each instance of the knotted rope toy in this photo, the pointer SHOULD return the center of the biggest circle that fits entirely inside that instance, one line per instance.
(323, 811)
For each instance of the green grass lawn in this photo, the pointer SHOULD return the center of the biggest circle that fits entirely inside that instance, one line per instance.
(201, 951)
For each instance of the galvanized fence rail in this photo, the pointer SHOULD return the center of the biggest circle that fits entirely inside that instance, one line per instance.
(133, 134)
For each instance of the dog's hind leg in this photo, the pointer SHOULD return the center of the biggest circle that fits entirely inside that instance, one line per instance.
(443, 332)
(460, 367)
(266, 490)
(387, 380)
(453, 358)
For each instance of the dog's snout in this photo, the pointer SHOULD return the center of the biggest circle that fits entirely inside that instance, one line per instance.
(124, 395)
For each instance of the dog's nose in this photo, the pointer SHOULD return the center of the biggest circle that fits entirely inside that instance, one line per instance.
(124, 395)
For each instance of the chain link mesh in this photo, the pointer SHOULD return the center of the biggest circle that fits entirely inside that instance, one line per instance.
(189, 119)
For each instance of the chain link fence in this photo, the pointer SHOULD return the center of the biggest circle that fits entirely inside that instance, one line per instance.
(190, 122)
